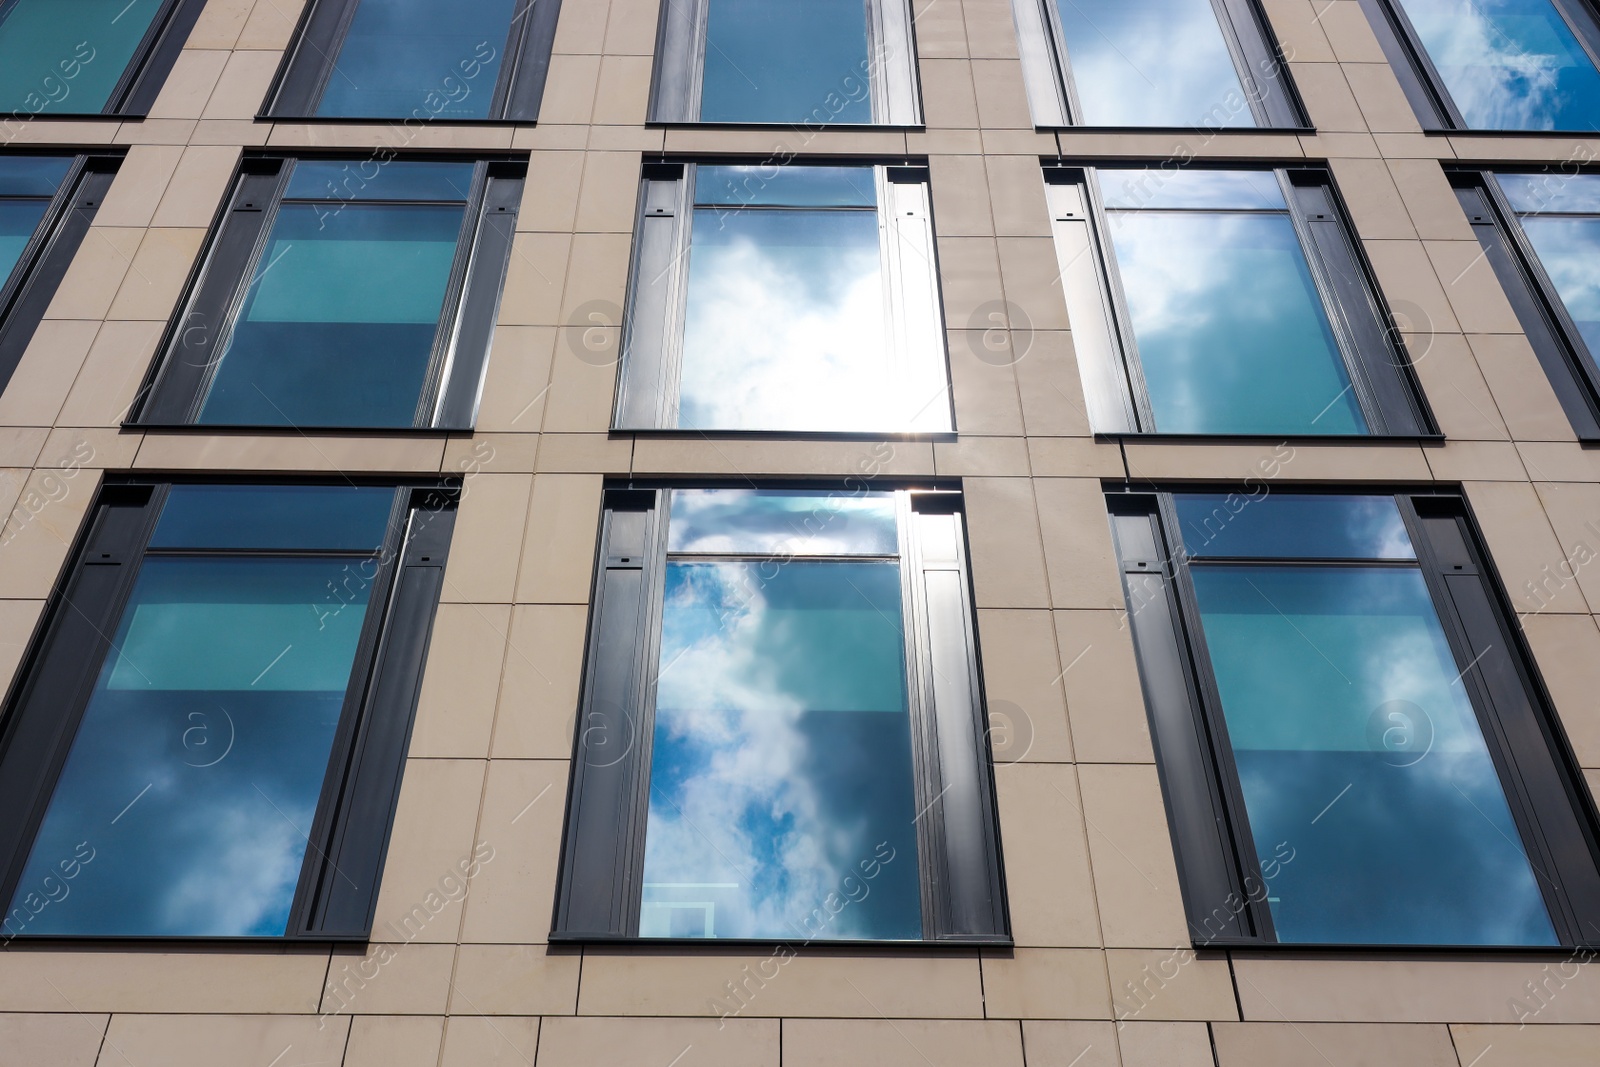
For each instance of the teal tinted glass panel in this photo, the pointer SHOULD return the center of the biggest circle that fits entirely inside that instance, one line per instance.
(786, 61)
(33, 175)
(194, 777)
(368, 179)
(341, 517)
(1125, 66)
(1509, 64)
(1552, 192)
(18, 221)
(65, 57)
(781, 795)
(1360, 757)
(338, 325)
(783, 522)
(419, 57)
(774, 186)
(1231, 332)
(1233, 190)
(26, 185)
(1292, 526)
(1569, 250)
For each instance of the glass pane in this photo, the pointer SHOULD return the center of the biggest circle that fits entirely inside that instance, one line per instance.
(368, 179)
(1552, 192)
(338, 326)
(1231, 332)
(404, 58)
(786, 61)
(1289, 525)
(774, 186)
(32, 175)
(1237, 190)
(1509, 64)
(192, 782)
(18, 220)
(781, 777)
(1121, 54)
(1569, 250)
(66, 56)
(782, 522)
(1360, 756)
(344, 517)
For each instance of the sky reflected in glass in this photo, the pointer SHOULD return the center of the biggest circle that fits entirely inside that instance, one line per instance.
(1569, 250)
(1292, 525)
(786, 61)
(782, 522)
(339, 517)
(66, 58)
(26, 185)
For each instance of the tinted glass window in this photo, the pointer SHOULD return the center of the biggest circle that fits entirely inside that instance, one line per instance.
(1560, 213)
(67, 56)
(26, 185)
(786, 61)
(798, 522)
(1509, 64)
(344, 517)
(1293, 526)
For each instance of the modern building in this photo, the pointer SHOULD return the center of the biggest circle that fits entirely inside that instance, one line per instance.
(622, 533)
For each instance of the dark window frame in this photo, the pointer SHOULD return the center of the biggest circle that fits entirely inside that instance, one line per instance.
(25, 296)
(961, 873)
(1380, 371)
(360, 791)
(180, 377)
(1052, 95)
(1206, 814)
(319, 37)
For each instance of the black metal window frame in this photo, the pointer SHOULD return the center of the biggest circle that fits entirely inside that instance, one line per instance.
(355, 812)
(1053, 97)
(1566, 359)
(310, 60)
(958, 837)
(1420, 80)
(195, 341)
(1381, 376)
(658, 283)
(146, 72)
(1220, 874)
(676, 83)
(26, 294)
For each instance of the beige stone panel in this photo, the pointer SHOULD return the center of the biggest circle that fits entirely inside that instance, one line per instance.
(983, 377)
(472, 1041)
(514, 980)
(1459, 460)
(583, 376)
(1521, 391)
(1087, 143)
(1348, 31)
(581, 30)
(231, 132)
(1524, 548)
(1413, 146)
(1574, 512)
(1342, 145)
(597, 272)
(1136, 879)
(157, 274)
(1052, 388)
(969, 274)
(1328, 97)
(1032, 273)
(1429, 200)
(432, 842)
(1027, 712)
(1007, 560)
(917, 985)
(1473, 289)
(193, 78)
(1350, 1045)
(1016, 187)
(1002, 99)
(198, 1040)
(388, 979)
(535, 275)
(45, 132)
(1299, 30)
(623, 92)
(304, 452)
(516, 382)
(138, 185)
(271, 24)
(1382, 101)
(1074, 457)
(18, 620)
(992, 457)
(1059, 1043)
(538, 700)
(1048, 881)
(609, 197)
(72, 448)
(455, 710)
(1170, 984)
(901, 1043)
(584, 1042)
(949, 100)
(550, 197)
(1101, 681)
(555, 137)
(1018, 142)
(39, 385)
(108, 383)
(1170, 1044)
(275, 980)
(585, 453)
(95, 273)
(1269, 465)
(783, 141)
(401, 135)
(1513, 1046)
(631, 29)
(940, 29)
(558, 550)
(483, 549)
(569, 89)
(20, 446)
(991, 29)
(38, 532)
(756, 456)
(1402, 990)
(1375, 205)
(951, 142)
(960, 192)
(394, 1041)
(65, 1040)
(197, 187)
(1077, 544)
(219, 24)
(241, 90)
(1566, 650)
(512, 896)
(1565, 462)
(1552, 148)
(1454, 387)
(618, 139)
(1046, 983)
(1407, 279)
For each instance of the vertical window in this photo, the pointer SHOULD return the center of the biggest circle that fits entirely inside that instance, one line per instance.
(1360, 704)
(1494, 64)
(836, 62)
(797, 298)
(1234, 302)
(344, 293)
(781, 734)
(1111, 63)
(208, 737)
(88, 57)
(483, 60)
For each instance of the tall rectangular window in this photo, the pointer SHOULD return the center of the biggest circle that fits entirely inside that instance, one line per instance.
(471, 60)
(781, 737)
(1358, 700)
(1233, 302)
(344, 293)
(795, 298)
(836, 62)
(206, 722)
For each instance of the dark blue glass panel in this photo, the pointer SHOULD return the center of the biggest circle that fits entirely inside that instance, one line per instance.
(1509, 64)
(1231, 331)
(786, 61)
(783, 522)
(346, 179)
(1292, 526)
(1552, 192)
(404, 58)
(781, 790)
(1156, 187)
(32, 175)
(342, 517)
(66, 56)
(1124, 63)
(1372, 798)
(339, 323)
(774, 186)
(194, 777)
(18, 220)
